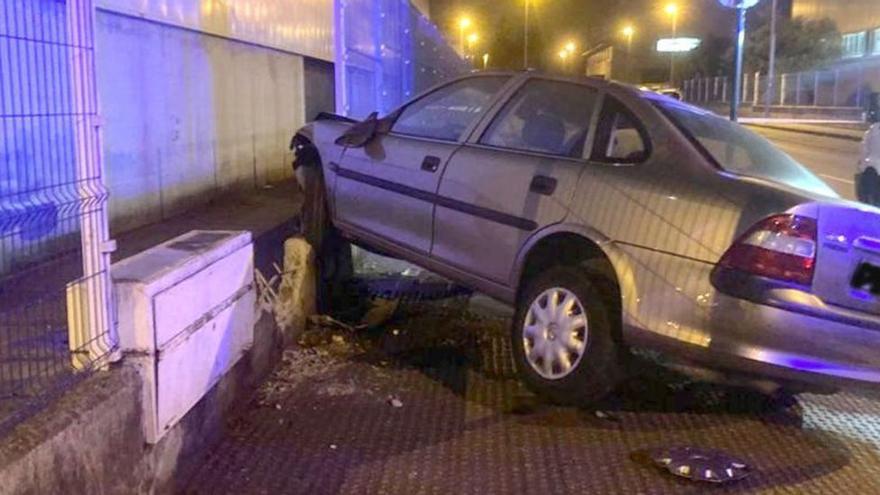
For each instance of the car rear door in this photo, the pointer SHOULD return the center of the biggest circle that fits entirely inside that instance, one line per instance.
(387, 188)
(514, 177)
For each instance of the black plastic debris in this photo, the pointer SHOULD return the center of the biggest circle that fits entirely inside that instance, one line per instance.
(698, 464)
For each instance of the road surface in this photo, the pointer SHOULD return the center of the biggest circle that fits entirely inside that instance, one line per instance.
(832, 159)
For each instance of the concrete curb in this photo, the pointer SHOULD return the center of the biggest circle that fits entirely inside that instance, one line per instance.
(832, 135)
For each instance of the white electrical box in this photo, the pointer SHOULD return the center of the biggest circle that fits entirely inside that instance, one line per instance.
(186, 311)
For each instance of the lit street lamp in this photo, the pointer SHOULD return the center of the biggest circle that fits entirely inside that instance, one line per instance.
(472, 40)
(563, 55)
(628, 33)
(672, 11)
(526, 36)
(463, 24)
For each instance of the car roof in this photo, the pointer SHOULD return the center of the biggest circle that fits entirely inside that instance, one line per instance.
(596, 82)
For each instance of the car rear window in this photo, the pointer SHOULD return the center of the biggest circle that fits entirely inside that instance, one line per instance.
(739, 150)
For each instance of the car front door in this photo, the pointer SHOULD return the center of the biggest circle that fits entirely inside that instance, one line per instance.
(386, 189)
(514, 178)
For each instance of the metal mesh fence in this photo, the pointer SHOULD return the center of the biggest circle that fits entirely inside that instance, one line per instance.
(55, 320)
(847, 88)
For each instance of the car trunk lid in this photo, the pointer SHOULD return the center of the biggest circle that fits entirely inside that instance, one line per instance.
(848, 258)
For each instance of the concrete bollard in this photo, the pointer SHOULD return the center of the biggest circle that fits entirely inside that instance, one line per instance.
(296, 295)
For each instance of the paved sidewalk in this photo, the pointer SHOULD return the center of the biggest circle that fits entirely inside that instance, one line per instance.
(269, 213)
(327, 423)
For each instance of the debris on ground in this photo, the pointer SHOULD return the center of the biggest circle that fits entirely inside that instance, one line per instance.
(698, 464)
(393, 401)
(607, 416)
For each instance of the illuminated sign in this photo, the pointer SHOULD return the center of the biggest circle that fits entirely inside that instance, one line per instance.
(667, 45)
(736, 4)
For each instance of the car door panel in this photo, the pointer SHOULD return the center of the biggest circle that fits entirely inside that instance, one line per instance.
(388, 187)
(486, 209)
(383, 188)
(520, 177)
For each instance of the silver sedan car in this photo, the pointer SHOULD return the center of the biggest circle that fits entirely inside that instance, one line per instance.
(612, 219)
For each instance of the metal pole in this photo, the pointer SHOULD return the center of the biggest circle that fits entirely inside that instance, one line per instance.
(672, 53)
(629, 55)
(771, 69)
(737, 77)
(526, 37)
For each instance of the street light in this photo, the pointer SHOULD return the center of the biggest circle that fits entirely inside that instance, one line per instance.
(570, 46)
(526, 36)
(564, 54)
(628, 32)
(741, 6)
(463, 24)
(471, 41)
(672, 11)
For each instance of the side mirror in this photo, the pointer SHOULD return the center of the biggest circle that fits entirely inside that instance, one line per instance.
(359, 134)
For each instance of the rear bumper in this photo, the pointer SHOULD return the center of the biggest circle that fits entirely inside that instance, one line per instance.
(793, 337)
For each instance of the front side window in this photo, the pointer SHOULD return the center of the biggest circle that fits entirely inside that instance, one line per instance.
(618, 138)
(854, 44)
(545, 117)
(740, 151)
(447, 112)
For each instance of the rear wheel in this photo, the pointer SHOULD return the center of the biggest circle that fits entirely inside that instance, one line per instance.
(562, 337)
(868, 187)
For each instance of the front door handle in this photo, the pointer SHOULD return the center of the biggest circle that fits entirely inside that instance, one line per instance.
(431, 163)
(542, 184)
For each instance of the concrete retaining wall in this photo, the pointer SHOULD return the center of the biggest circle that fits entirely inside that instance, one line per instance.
(188, 115)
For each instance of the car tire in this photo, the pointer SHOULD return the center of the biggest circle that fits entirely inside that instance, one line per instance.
(334, 268)
(583, 359)
(868, 187)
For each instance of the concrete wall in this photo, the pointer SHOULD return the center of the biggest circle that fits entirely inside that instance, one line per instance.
(304, 27)
(189, 114)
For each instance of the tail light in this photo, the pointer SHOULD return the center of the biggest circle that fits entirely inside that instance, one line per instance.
(782, 247)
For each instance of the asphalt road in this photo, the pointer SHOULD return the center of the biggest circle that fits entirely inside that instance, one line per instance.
(832, 159)
(430, 404)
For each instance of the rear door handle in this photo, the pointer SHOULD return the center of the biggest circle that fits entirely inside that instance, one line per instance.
(431, 163)
(542, 184)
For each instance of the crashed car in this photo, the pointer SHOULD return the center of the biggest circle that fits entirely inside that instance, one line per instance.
(611, 219)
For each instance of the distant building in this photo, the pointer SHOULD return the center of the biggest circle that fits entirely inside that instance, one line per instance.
(857, 20)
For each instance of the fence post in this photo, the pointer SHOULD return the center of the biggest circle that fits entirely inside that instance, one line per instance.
(782, 89)
(745, 86)
(816, 88)
(797, 90)
(715, 88)
(92, 335)
(836, 87)
(755, 91)
(724, 91)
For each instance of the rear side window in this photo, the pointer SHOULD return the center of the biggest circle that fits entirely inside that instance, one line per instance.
(447, 112)
(546, 117)
(619, 137)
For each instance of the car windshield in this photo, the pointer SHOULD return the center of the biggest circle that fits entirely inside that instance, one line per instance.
(738, 150)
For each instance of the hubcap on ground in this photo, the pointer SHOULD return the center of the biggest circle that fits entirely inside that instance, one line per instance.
(555, 333)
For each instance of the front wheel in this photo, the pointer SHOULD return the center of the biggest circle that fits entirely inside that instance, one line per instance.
(562, 337)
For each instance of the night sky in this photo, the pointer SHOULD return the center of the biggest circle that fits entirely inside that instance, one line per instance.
(499, 23)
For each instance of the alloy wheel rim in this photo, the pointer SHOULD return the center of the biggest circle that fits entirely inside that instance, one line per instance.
(555, 333)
